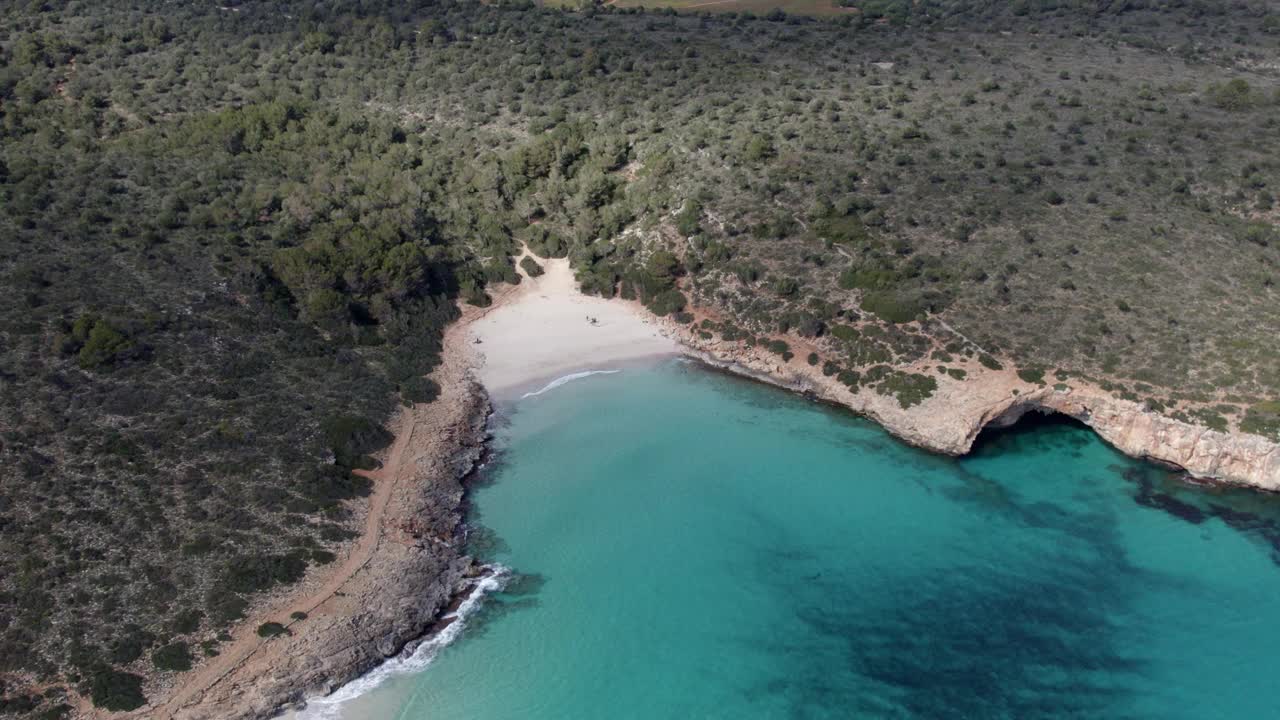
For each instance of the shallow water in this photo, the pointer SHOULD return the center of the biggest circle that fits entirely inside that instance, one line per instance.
(690, 545)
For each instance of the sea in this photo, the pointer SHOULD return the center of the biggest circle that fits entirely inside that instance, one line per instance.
(670, 541)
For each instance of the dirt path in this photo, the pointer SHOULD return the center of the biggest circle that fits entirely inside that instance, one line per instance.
(246, 642)
(250, 671)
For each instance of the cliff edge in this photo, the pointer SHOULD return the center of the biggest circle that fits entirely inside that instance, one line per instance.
(949, 420)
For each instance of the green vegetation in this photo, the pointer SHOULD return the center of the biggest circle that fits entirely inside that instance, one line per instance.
(96, 343)
(172, 657)
(910, 388)
(1034, 375)
(1211, 419)
(351, 438)
(890, 308)
(113, 690)
(1235, 95)
(230, 244)
(271, 629)
(531, 267)
(1263, 419)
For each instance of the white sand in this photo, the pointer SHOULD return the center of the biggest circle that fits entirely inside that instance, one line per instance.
(540, 331)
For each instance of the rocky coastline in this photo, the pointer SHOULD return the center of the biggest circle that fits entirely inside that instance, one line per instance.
(950, 420)
(401, 595)
(418, 572)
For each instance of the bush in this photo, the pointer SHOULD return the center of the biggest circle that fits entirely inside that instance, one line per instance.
(786, 287)
(531, 267)
(667, 302)
(174, 657)
(116, 691)
(848, 229)
(910, 388)
(1234, 95)
(758, 148)
(546, 245)
(891, 307)
(328, 485)
(812, 359)
(1033, 375)
(1210, 419)
(187, 621)
(98, 342)
(271, 629)
(351, 439)
(989, 362)
(419, 390)
(225, 607)
(847, 333)
(687, 220)
(253, 573)
(1263, 419)
(663, 267)
(1258, 233)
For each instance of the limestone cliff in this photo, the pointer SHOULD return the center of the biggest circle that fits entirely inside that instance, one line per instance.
(950, 420)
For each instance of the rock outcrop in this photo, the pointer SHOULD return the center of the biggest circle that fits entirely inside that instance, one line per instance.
(386, 592)
(949, 421)
(394, 599)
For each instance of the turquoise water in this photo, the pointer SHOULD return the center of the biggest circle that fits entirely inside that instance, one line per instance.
(690, 545)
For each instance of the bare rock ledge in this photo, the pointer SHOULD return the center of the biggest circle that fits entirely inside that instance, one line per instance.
(949, 421)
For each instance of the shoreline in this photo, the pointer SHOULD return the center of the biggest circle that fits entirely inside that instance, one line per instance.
(949, 422)
(395, 588)
(544, 328)
(387, 591)
(540, 330)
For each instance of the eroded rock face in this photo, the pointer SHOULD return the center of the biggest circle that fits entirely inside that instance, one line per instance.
(393, 599)
(949, 421)
(1137, 431)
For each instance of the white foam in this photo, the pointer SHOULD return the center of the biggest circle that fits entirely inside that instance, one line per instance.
(568, 378)
(329, 706)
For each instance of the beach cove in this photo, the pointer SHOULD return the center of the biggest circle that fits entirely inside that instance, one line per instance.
(682, 543)
(672, 541)
(540, 344)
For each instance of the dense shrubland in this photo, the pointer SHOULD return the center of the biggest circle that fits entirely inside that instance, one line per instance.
(230, 238)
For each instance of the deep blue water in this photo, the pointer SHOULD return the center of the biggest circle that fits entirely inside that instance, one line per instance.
(690, 545)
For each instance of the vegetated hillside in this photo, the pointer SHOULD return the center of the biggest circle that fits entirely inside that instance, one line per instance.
(230, 237)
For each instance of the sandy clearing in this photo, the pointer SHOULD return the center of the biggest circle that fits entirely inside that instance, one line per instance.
(542, 330)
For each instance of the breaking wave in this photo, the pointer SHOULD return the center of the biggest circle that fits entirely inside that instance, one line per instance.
(567, 378)
(328, 707)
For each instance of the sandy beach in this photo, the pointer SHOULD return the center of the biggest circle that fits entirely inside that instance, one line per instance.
(544, 328)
